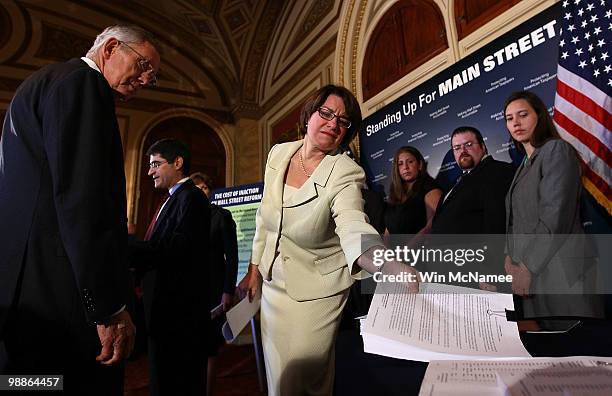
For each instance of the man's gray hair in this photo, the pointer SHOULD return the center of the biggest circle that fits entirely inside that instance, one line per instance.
(126, 33)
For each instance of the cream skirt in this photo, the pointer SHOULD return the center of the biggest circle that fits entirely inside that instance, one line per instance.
(298, 338)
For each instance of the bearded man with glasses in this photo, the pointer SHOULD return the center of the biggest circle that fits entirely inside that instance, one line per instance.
(64, 279)
(475, 205)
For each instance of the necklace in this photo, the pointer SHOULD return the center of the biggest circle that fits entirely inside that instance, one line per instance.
(302, 164)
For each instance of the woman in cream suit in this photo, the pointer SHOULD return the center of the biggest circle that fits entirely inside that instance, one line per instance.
(548, 257)
(308, 239)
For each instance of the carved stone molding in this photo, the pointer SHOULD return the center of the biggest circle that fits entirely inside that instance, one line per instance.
(9, 84)
(349, 44)
(300, 74)
(5, 26)
(248, 110)
(318, 10)
(253, 67)
(59, 43)
(342, 42)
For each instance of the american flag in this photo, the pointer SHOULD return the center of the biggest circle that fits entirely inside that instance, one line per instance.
(583, 105)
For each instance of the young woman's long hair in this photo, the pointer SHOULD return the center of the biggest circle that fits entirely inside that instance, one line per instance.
(400, 191)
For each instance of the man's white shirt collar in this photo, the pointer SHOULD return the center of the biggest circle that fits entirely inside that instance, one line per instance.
(91, 64)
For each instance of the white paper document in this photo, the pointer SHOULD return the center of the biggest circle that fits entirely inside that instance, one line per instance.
(239, 316)
(576, 376)
(441, 322)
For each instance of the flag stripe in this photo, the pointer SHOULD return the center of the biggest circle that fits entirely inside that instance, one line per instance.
(585, 137)
(597, 194)
(597, 181)
(585, 104)
(597, 164)
(579, 84)
(585, 121)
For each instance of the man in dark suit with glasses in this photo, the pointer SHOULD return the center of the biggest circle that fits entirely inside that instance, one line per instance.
(176, 280)
(64, 280)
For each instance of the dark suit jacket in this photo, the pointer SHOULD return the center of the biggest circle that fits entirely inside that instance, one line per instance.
(63, 247)
(176, 284)
(477, 204)
(224, 253)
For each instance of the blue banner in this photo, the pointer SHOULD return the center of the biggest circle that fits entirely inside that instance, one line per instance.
(470, 93)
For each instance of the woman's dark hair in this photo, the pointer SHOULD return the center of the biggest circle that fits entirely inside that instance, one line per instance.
(544, 130)
(400, 191)
(200, 177)
(351, 106)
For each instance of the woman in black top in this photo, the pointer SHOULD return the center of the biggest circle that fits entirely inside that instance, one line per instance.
(413, 196)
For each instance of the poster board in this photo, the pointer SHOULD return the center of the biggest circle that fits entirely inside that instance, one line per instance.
(243, 202)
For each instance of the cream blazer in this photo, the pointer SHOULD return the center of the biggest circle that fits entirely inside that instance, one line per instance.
(318, 231)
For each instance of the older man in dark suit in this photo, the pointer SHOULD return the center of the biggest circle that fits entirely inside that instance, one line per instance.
(176, 283)
(63, 248)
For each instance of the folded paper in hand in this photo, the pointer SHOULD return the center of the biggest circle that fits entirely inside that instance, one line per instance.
(239, 316)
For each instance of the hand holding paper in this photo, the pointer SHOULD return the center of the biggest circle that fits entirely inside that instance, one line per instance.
(250, 285)
(240, 315)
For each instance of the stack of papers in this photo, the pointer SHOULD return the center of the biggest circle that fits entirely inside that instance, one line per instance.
(576, 376)
(441, 322)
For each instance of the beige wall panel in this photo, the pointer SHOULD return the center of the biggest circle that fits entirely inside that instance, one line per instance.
(502, 24)
(248, 158)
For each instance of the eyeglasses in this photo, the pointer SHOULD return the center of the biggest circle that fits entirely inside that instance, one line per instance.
(156, 164)
(145, 66)
(466, 145)
(328, 114)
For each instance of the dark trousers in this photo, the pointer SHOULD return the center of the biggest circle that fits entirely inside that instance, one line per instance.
(178, 364)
